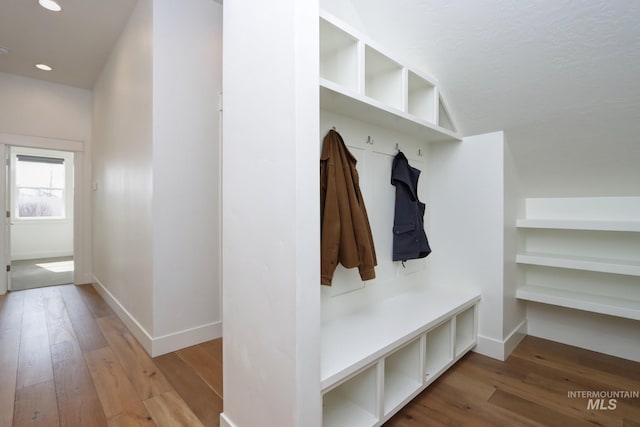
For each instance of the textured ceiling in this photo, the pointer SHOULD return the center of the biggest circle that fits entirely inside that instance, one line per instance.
(559, 76)
(75, 41)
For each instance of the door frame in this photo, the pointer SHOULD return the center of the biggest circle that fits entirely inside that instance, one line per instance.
(81, 210)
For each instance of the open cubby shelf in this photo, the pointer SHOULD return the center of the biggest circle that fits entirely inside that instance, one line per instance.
(397, 347)
(360, 80)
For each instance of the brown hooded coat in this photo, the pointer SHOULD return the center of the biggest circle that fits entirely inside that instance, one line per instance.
(345, 232)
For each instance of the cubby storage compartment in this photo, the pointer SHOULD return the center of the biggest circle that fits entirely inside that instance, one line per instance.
(421, 97)
(353, 403)
(383, 79)
(465, 331)
(338, 56)
(402, 375)
(439, 350)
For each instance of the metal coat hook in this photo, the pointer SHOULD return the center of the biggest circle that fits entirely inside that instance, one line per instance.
(369, 140)
(420, 152)
(397, 147)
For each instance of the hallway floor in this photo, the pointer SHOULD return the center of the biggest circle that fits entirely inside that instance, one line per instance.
(38, 273)
(67, 360)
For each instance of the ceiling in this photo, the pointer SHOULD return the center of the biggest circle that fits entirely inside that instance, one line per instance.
(560, 77)
(75, 41)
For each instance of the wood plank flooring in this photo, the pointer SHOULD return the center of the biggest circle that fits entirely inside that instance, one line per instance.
(67, 360)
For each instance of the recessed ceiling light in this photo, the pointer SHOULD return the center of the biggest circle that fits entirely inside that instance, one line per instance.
(50, 5)
(44, 67)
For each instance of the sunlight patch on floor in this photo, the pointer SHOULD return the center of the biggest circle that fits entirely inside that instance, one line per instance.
(58, 266)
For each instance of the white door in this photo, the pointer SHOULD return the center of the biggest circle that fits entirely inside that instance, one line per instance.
(5, 274)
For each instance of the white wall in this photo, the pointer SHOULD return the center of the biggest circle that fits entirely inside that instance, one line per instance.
(271, 295)
(156, 204)
(348, 293)
(187, 74)
(468, 219)
(49, 115)
(122, 173)
(38, 108)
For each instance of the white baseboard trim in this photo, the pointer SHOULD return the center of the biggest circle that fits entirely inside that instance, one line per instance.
(225, 421)
(157, 346)
(500, 350)
(186, 338)
(615, 340)
(143, 337)
(515, 337)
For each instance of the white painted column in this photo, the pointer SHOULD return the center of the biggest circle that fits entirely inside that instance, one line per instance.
(271, 290)
(472, 216)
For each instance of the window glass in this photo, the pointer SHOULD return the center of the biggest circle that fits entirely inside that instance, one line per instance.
(40, 189)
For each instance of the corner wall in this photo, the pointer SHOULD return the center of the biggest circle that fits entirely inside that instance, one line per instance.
(157, 168)
(187, 82)
(469, 238)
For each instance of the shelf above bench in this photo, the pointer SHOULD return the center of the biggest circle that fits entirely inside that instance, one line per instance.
(340, 100)
(581, 301)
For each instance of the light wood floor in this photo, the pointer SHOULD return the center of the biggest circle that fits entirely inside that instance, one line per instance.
(67, 360)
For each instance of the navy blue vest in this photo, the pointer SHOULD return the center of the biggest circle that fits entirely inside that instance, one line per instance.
(409, 238)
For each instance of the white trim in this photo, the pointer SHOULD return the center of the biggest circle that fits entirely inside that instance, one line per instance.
(164, 344)
(225, 421)
(500, 350)
(515, 337)
(490, 347)
(41, 142)
(129, 321)
(188, 337)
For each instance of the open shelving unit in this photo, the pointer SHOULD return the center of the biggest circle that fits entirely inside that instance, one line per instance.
(376, 358)
(360, 80)
(583, 253)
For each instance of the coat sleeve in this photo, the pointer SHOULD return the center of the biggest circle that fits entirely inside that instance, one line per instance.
(329, 218)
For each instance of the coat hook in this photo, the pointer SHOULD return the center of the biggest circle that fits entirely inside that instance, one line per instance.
(420, 152)
(333, 127)
(369, 140)
(397, 147)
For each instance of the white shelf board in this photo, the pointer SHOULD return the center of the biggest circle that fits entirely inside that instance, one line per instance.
(603, 265)
(592, 225)
(344, 101)
(347, 413)
(594, 303)
(353, 342)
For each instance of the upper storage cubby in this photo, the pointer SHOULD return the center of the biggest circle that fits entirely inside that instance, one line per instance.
(383, 79)
(338, 56)
(360, 80)
(422, 98)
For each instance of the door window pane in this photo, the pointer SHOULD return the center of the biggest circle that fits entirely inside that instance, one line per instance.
(40, 188)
